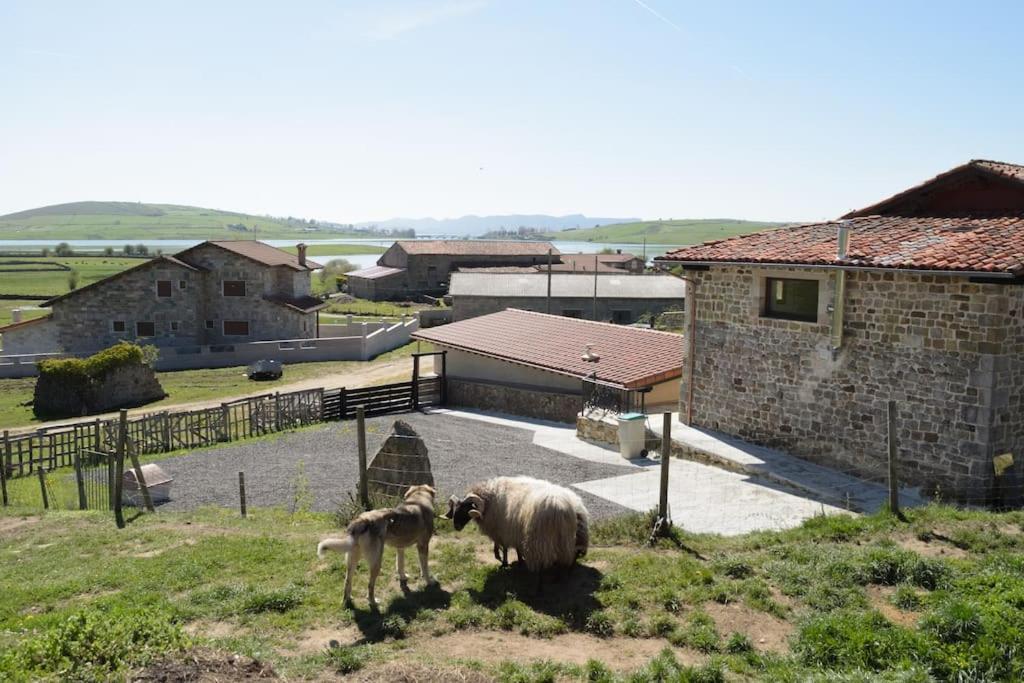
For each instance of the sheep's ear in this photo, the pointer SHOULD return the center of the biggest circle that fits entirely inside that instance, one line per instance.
(475, 514)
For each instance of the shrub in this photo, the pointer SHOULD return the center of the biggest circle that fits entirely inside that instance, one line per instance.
(738, 643)
(955, 622)
(77, 373)
(600, 624)
(346, 660)
(394, 627)
(735, 569)
(906, 598)
(94, 644)
(279, 600)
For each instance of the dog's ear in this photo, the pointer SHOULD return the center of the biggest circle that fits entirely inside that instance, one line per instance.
(452, 504)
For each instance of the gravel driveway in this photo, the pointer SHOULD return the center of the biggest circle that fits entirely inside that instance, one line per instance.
(462, 451)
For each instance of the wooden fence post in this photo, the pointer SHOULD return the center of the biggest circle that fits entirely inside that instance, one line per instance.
(343, 405)
(80, 481)
(122, 440)
(225, 418)
(165, 431)
(97, 439)
(894, 483)
(415, 382)
(42, 486)
(140, 479)
(5, 461)
(241, 491)
(364, 494)
(666, 456)
(277, 411)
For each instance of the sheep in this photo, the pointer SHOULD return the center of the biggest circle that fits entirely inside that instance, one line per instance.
(546, 524)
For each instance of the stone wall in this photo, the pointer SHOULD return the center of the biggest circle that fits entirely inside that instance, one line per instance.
(464, 307)
(513, 400)
(944, 348)
(125, 386)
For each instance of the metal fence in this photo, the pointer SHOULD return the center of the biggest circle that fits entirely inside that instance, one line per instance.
(598, 395)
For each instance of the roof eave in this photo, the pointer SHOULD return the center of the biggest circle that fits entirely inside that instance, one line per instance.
(835, 266)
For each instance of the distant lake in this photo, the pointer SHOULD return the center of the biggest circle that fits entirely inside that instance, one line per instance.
(360, 260)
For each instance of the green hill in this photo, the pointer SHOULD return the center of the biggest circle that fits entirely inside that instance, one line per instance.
(664, 232)
(135, 221)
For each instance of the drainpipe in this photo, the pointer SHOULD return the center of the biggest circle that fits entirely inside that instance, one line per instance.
(838, 301)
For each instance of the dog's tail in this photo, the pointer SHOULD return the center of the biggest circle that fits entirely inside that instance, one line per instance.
(341, 545)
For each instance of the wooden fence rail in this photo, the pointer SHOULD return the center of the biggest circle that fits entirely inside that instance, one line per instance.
(54, 447)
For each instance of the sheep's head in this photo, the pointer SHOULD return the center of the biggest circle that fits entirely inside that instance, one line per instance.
(461, 510)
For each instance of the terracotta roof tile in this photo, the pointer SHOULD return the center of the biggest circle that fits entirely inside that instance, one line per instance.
(629, 356)
(261, 253)
(965, 244)
(477, 247)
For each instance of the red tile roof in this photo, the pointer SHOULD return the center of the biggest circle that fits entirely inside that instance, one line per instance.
(259, 252)
(477, 247)
(25, 323)
(629, 356)
(969, 244)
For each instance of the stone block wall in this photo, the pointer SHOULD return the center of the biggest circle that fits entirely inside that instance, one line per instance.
(524, 401)
(945, 349)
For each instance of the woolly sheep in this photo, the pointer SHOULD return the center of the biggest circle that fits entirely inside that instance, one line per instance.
(546, 524)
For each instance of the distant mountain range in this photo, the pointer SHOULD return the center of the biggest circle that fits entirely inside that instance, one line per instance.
(477, 225)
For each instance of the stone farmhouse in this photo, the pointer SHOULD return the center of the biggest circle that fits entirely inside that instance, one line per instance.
(621, 298)
(803, 334)
(410, 268)
(539, 365)
(217, 292)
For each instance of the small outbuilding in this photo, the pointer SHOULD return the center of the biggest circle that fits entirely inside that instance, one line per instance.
(548, 366)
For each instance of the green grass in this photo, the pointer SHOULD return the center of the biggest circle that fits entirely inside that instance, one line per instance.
(376, 309)
(134, 222)
(664, 232)
(84, 600)
(338, 249)
(186, 386)
(54, 282)
(30, 309)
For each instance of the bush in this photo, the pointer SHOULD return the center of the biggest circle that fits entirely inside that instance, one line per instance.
(94, 644)
(738, 643)
(346, 660)
(79, 372)
(279, 600)
(955, 622)
(906, 598)
(394, 627)
(600, 624)
(855, 640)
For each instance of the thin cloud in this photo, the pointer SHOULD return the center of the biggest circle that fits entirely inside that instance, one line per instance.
(387, 22)
(660, 15)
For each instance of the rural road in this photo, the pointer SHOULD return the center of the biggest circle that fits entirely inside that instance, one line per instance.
(373, 373)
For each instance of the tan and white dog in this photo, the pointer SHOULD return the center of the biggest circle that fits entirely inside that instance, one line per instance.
(411, 523)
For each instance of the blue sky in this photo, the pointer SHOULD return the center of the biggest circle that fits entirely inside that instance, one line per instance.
(364, 110)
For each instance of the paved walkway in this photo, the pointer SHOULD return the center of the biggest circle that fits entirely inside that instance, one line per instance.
(702, 498)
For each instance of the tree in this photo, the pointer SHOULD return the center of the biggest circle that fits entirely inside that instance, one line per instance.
(329, 273)
(109, 251)
(63, 249)
(129, 250)
(45, 251)
(141, 249)
(72, 280)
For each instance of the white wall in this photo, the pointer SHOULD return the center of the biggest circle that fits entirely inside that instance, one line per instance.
(35, 337)
(463, 365)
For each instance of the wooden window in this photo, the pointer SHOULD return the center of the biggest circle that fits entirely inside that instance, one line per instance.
(234, 287)
(209, 324)
(163, 288)
(117, 325)
(791, 299)
(174, 326)
(236, 328)
(182, 284)
(145, 329)
(572, 313)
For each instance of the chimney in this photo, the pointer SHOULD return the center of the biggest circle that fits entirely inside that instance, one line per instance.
(842, 240)
(15, 315)
(618, 251)
(302, 253)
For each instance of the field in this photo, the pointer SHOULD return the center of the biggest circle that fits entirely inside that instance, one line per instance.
(838, 599)
(338, 249)
(188, 386)
(22, 276)
(129, 221)
(29, 309)
(664, 232)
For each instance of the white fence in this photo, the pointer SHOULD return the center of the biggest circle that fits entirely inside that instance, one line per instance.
(356, 341)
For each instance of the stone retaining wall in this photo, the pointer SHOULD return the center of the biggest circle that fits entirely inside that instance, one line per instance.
(514, 400)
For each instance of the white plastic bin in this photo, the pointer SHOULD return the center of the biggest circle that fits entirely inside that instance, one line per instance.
(632, 435)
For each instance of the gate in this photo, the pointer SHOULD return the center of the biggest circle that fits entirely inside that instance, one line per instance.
(95, 475)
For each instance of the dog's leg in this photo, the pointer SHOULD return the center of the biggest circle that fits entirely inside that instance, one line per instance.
(353, 560)
(400, 561)
(423, 549)
(374, 561)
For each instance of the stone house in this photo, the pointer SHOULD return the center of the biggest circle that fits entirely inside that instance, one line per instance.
(539, 365)
(621, 299)
(414, 267)
(804, 333)
(217, 292)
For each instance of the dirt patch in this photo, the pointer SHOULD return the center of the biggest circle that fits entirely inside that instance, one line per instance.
(320, 638)
(767, 633)
(212, 629)
(574, 648)
(880, 599)
(8, 525)
(398, 672)
(204, 666)
(934, 548)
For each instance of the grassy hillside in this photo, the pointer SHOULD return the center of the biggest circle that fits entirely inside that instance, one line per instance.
(842, 598)
(48, 276)
(135, 221)
(664, 232)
